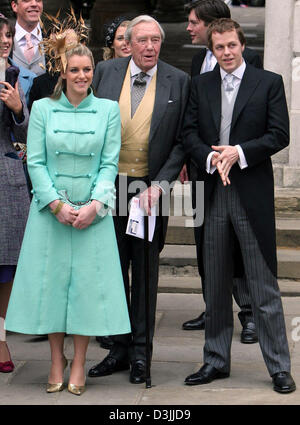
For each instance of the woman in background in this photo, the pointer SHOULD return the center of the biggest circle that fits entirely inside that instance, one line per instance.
(115, 44)
(14, 197)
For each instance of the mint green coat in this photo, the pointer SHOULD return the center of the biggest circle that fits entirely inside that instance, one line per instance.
(70, 280)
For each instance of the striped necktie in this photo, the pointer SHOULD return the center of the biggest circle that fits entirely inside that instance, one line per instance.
(28, 49)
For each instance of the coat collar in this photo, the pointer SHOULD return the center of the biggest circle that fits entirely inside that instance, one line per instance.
(86, 102)
(250, 81)
(162, 96)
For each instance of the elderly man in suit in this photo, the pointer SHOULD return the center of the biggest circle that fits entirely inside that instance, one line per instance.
(28, 35)
(236, 119)
(200, 14)
(151, 152)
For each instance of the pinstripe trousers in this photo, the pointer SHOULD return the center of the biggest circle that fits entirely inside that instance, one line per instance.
(225, 215)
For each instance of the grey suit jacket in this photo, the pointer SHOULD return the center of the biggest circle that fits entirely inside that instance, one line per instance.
(165, 155)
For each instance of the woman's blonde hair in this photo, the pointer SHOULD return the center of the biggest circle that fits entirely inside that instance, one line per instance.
(80, 50)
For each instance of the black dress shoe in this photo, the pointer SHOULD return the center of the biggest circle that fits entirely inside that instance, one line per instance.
(195, 324)
(138, 372)
(105, 342)
(248, 334)
(108, 366)
(283, 382)
(206, 374)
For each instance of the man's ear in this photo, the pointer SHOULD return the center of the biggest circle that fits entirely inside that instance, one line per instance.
(14, 6)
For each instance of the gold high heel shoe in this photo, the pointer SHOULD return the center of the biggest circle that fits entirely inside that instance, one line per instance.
(76, 389)
(59, 386)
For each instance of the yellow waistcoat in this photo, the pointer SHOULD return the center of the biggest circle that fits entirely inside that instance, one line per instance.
(135, 131)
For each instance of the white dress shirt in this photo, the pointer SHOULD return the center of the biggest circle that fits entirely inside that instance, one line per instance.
(213, 62)
(135, 70)
(237, 78)
(36, 36)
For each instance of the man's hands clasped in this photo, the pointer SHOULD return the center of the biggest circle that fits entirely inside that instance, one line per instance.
(223, 159)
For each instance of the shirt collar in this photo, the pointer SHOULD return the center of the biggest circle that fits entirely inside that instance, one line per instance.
(20, 32)
(239, 72)
(135, 70)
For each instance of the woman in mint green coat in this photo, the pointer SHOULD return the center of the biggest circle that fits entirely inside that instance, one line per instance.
(68, 278)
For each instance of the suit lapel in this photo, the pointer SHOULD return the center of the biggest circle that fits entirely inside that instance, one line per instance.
(111, 89)
(198, 61)
(162, 97)
(248, 85)
(213, 93)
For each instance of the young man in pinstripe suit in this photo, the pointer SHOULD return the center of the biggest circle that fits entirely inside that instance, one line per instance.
(236, 119)
(200, 14)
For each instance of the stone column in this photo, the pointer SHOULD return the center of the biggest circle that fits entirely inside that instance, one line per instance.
(282, 55)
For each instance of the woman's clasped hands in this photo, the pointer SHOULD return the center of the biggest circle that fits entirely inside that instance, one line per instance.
(80, 219)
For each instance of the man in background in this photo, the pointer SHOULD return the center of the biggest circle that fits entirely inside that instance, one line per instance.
(28, 35)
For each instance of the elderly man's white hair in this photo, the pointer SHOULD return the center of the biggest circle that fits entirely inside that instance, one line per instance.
(138, 20)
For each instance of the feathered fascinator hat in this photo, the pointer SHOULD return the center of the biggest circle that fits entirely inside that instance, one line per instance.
(62, 36)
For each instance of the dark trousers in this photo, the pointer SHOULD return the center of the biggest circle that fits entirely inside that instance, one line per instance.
(240, 288)
(132, 346)
(224, 218)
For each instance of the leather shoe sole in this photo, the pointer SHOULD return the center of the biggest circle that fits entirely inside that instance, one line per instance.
(107, 367)
(205, 375)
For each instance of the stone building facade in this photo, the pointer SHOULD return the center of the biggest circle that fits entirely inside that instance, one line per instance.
(282, 55)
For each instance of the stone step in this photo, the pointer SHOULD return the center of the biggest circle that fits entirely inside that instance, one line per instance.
(181, 232)
(180, 260)
(287, 201)
(192, 285)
